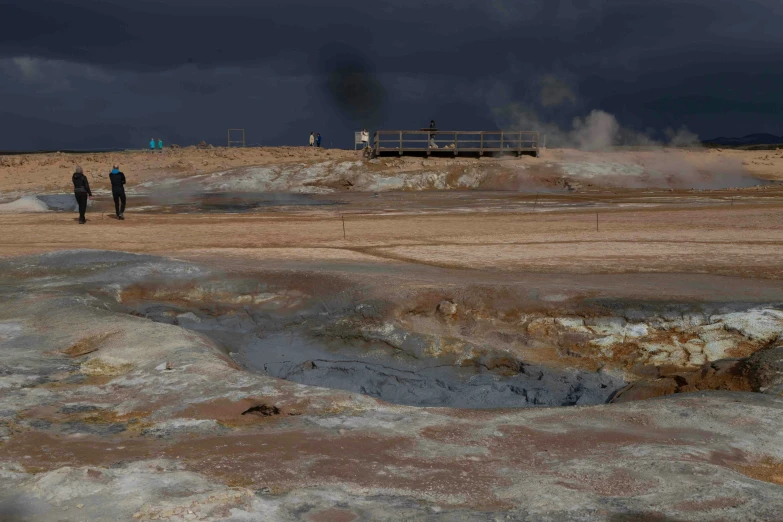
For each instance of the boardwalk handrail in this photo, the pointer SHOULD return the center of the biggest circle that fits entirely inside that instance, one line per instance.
(435, 140)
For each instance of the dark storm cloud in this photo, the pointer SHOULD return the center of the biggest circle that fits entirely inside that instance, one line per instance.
(191, 69)
(351, 83)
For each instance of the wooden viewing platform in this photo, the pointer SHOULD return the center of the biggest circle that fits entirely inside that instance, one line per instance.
(455, 142)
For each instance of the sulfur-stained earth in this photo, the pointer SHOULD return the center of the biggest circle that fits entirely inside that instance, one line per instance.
(467, 355)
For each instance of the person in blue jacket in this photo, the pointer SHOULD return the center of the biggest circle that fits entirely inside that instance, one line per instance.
(318, 140)
(160, 144)
(152, 144)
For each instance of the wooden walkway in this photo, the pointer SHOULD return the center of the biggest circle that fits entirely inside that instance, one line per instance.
(438, 142)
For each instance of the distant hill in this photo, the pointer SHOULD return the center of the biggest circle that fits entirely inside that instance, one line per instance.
(750, 139)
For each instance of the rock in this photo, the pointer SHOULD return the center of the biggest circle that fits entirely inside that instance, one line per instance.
(25, 204)
(542, 327)
(636, 330)
(761, 324)
(447, 308)
(262, 410)
(608, 341)
(727, 374)
(189, 316)
(571, 323)
(718, 349)
(764, 370)
(606, 325)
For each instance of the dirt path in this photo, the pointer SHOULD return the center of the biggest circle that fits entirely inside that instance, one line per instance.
(741, 241)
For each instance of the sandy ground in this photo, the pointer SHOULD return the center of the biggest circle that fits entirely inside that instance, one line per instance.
(742, 240)
(95, 401)
(51, 172)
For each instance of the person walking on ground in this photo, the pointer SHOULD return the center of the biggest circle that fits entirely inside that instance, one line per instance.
(318, 140)
(312, 139)
(81, 189)
(117, 179)
(152, 144)
(365, 139)
(160, 144)
(432, 134)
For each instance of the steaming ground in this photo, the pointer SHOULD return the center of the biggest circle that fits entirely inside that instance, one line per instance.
(177, 173)
(265, 336)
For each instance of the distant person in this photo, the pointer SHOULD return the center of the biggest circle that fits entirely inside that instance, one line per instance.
(365, 139)
(160, 144)
(312, 139)
(152, 144)
(318, 140)
(117, 179)
(81, 189)
(432, 134)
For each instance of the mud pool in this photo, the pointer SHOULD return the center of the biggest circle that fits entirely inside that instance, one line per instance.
(326, 331)
(227, 202)
(305, 347)
(321, 339)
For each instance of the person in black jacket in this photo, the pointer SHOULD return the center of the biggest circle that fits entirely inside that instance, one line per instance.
(117, 179)
(81, 189)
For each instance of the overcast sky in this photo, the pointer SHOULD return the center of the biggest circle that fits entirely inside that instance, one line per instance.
(114, 73)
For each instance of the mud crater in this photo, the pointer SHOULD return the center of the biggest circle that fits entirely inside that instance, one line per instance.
(487, 347)
(342, 341)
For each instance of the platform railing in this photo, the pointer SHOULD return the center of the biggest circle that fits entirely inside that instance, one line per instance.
(430, 141)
